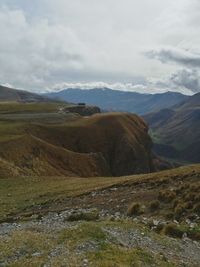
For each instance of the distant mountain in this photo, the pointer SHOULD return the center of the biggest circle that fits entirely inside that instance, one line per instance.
(176, 131)
(115, 100)
(9, 94)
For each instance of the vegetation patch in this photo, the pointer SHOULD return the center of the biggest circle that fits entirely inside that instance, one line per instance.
(134, 209)
(83, 216)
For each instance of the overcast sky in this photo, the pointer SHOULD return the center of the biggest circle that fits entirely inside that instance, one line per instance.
(140, 45)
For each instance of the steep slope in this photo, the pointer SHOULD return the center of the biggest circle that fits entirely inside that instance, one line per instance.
(8, 94)
(119, 100)
(121, 138)
(32, 156)
(100, 145)
(178, 129)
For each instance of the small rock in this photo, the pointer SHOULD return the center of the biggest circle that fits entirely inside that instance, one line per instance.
(156, 222)
(85, 262)
(184, 235)
(36, 254)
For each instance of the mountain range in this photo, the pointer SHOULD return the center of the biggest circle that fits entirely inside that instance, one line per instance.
(176, 131)
(115, 100)
(173, 118)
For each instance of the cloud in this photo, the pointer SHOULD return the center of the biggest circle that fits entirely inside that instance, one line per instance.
(33, 54)
(47, 43)
(187, 78)
(142, 88)
(174, 55)
(151, 86)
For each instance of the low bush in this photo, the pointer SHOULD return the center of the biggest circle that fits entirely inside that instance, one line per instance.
(154, 205)
(83, 216)
(197, 208)
(190, 196)
(188, 205)
(172, 230)
(166, 195)
(178, 212)
(134, 209)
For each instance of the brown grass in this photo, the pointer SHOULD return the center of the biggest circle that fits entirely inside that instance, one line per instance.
(134, 209)
(101, 145)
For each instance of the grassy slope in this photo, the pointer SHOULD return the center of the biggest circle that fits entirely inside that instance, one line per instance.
(103, 243)
(18, 194)
(48, 137)
(22, 193)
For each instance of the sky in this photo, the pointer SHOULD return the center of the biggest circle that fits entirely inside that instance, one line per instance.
(146, 46)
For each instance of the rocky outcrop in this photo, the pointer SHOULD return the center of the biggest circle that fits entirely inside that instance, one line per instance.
(82, 110)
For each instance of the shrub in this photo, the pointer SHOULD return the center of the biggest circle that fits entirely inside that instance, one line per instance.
(195, 188)
(83, 216)
(134, 209)
(175, 203)
(154, 205)
(197, 198)
(166, 195)
(172, 230)
(188, 205)
(189, 196)
(197, 208)
(169, 216)
(179, 210)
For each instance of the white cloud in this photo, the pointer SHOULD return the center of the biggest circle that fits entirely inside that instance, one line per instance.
(45, 43)
(151, 86)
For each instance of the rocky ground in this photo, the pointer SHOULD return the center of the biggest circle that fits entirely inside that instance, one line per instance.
(84, 237)
(94, 228)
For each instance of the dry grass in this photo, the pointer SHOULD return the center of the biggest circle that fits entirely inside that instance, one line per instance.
(86, 147)
(134, 209)
(18, 194)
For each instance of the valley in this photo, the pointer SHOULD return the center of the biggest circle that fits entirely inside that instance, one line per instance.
(176, 131)
(80, 187)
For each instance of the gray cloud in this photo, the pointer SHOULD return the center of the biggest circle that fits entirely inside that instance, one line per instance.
(179, 56)
(187, 78)
(48, 43)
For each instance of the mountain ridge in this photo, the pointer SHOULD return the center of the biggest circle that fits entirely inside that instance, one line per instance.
(178, 128)
(116, 100)
(10, 94)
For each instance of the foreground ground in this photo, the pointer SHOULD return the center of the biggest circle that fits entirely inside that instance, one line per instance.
(84, 222)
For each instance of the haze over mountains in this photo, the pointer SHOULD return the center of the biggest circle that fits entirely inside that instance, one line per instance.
(115, 100)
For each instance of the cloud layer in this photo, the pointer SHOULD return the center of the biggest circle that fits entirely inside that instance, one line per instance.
(177, 56)
(48, 44)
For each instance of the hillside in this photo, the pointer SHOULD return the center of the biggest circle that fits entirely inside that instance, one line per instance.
(8, 94)
(140, 220)
(116, 100)
(177, 130)
(49, 143)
